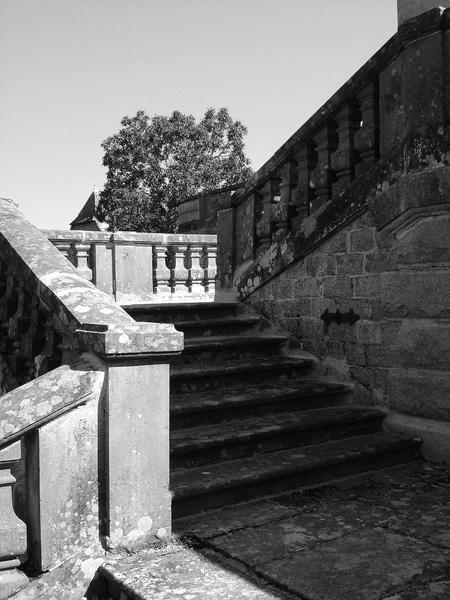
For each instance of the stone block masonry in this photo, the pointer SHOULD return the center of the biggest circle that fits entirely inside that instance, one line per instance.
(397, 280)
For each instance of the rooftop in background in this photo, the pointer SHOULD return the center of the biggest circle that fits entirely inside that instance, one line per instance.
(86, 219)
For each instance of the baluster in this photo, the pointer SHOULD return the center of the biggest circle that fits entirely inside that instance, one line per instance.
(49, 357)
(180, 273)
(264, 223)
(28, 339)
(196, 271)
(210, 258)
(303, 195)
(322, 177)
(82, 254)
(162, 272)
(8, 302)
(343, 159)
(368, 136)
(15, 546)
(282, 211)
(67, 251)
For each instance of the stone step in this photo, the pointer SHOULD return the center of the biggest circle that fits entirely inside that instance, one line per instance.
(194, 409)
(188, 311)
(239, 325)
(216, 485)
(212, 376)
(209, 444)
(230, 347)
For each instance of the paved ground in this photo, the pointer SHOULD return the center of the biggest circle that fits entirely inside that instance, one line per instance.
(386, 537)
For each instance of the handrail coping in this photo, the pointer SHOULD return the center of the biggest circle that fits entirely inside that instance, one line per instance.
(425, 23)
(130, 237)
(49, 396)
(77, 303)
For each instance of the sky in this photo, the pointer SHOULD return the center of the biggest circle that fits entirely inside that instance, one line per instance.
(71, 69)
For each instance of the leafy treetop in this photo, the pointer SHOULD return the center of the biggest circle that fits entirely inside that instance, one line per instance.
(154, 163)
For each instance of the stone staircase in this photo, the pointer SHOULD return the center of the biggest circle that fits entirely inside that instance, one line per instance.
(250, 419)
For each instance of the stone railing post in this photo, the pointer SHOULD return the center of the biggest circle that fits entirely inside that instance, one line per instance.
(135, 505)
(196, 270)
(264, 223)
(343, 159)
(13, 534)
(180, 272)
(322, 176)
(366, 139)
(132, 268)
(82, 258)
(282, 210)
(303, 193)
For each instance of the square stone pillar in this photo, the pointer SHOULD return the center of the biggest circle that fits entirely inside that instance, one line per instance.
(407, 9)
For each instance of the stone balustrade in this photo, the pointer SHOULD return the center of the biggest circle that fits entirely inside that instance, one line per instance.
(143, 267)
(385, 120)
(86, 393)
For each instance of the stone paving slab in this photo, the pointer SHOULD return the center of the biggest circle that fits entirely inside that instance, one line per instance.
(229, 519)
(368, 565)
(262, 544)
(185, 574)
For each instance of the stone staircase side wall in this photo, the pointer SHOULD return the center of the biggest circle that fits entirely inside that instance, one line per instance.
(395, 276)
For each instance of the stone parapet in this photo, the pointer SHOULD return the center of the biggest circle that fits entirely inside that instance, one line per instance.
(94, 425)
(143, 268)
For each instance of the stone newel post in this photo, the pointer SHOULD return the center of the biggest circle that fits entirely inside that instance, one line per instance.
(133, 440)
(407, 9)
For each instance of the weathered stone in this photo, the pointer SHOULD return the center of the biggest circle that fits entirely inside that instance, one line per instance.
(366, 286)
(133, 273)
(136, 453)
(63, 519)
(416, 294)
(185, 574)
(419, 392)
(41, 400)
(338, 243)
(349, 264)
(337, 287)
(361, 566)
(11, 582)
(362, 240)
(407, 9)
(321, 264)
(308, 287)
(293, 535)
(367, 332)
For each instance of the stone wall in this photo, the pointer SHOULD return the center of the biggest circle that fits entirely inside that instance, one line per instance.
(394, 273)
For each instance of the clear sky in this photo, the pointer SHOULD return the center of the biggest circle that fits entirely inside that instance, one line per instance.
(71, 69)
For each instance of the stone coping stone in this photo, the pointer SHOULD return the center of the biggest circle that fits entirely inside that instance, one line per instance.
(76, 302)
(50, 395)
(132, 237)
(183, 573)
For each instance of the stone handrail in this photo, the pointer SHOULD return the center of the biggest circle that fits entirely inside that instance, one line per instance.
(49, 316)
(336, 153)
(143, 267)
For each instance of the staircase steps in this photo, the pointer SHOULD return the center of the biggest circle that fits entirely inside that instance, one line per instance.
(232, 347)
(193, 409)
(212, 376)
(221, 484)
(249, 418)
(209, 444)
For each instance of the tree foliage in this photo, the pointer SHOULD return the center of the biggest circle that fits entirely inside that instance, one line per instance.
(154, 163)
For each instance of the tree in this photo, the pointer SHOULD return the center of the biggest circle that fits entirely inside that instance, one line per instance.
(153, 164)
